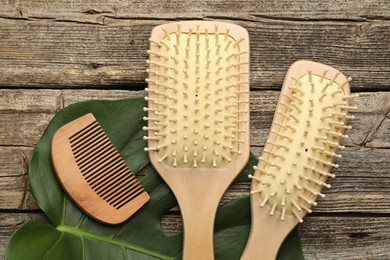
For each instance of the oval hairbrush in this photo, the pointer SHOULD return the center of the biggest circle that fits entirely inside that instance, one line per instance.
(198, 118)
(298, 156)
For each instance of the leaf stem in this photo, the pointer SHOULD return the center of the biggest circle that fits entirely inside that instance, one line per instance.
(85, 234)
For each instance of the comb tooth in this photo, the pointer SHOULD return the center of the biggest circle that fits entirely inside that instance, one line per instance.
(105, 186)
(111, 194)
(127, 187)
(80, 134)
(85, 147)
(89, 161)
(86, 139)
(96, 172)
(109, 181)
(125, 201)
(91, 152)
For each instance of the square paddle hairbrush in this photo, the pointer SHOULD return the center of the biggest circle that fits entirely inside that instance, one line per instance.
(93, 173)
(198, 118)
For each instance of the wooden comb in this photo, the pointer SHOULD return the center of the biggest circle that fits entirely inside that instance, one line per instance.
(93, 174)
(198, 118)
(298, 156)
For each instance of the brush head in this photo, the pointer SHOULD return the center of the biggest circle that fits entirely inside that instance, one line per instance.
(93, 174)
(307, 127)
(198, 95)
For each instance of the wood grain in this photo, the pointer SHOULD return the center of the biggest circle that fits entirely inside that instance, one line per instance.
(245, 9)
(51, 52)
(370, 128)
(323, 237)
(362, 184)
(58, 53)
(331, 237)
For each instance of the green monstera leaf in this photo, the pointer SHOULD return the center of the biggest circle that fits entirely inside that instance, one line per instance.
(73, 235)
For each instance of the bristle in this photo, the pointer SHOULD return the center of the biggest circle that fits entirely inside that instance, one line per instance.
(308, 124)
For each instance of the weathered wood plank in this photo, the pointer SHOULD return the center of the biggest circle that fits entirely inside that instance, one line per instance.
(10, 222)
(24, 124)
(25, 101)
(331, 237)
(370, 127)
(323, 237)
(246, 9)
(50, 53)
(362, 183)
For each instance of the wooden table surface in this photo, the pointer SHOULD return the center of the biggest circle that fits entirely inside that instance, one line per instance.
(56, 52)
